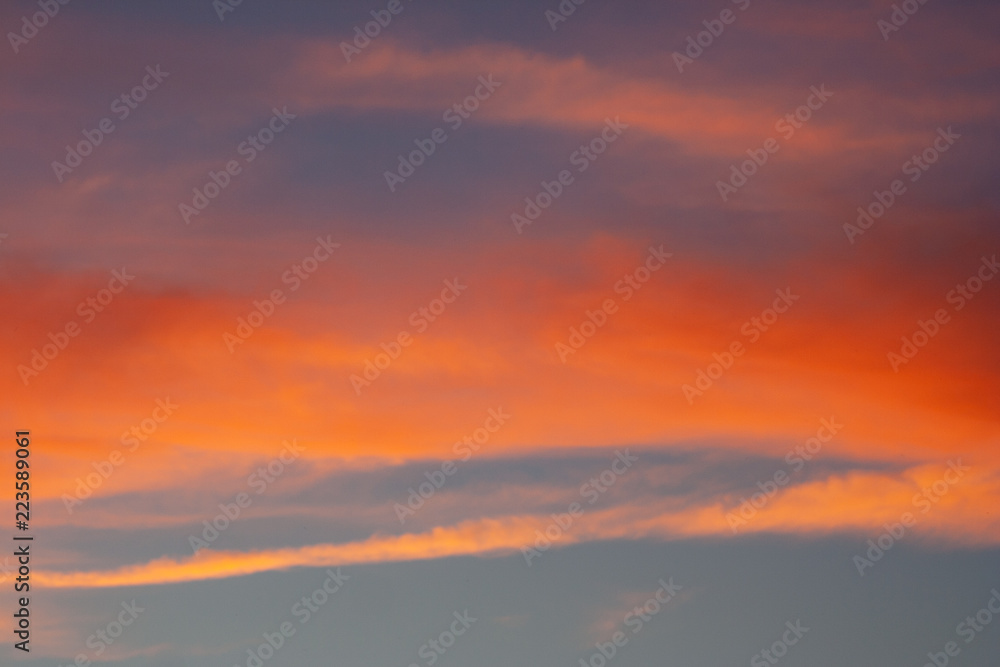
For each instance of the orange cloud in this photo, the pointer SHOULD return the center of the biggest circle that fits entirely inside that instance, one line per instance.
(853, 503)
(291, 378)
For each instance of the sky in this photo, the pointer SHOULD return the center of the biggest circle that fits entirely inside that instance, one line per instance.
(503, 333)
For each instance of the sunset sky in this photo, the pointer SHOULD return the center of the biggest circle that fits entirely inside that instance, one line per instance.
(719, 316)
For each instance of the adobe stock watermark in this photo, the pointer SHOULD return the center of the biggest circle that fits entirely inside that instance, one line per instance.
(421, 319)
(294, 277)
(635, 620)
(562, 12)
(88, 309)
(432, 650)
(464, 449)
(786, 126)
(915, 167)
(958, 298)
(779, 649)
(101, 640)
(591, 491)
(259, 481)
(753, 329)
(455, 116)
(372, 29)
(122, 107)
(968, 629)
(254, 145)
(629, 284)
(924, 501)
(37, 21)
(581, 158)
(796, 459)
(7, 570)
(900, 14)
(131, 439)
(714, 28)
(223, 7)
(304, 610)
